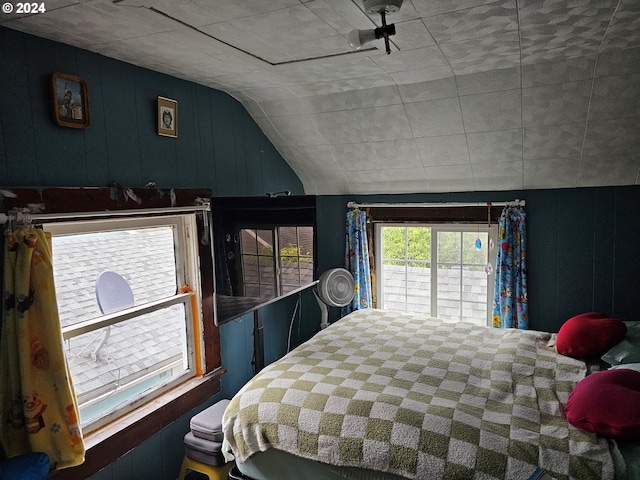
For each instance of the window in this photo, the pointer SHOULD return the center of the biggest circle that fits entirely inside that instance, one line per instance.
(267, 275)
(135, 351)
(264, 250)
(436, 269)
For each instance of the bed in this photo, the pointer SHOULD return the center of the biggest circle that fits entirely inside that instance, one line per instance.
(384, 395)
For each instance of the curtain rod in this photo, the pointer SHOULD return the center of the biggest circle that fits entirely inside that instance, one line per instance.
(22, 216)
(514, 203)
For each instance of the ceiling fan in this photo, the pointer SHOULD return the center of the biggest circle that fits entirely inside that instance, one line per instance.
(357, 38)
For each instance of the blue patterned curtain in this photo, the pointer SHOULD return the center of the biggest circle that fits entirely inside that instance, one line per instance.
(510, 308)
(357, 260)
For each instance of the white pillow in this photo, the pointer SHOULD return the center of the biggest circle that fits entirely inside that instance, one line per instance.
(628, 350)
(632, 366)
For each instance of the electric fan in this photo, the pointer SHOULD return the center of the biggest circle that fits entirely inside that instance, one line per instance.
(335, 288)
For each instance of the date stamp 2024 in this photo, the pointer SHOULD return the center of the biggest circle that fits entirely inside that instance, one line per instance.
(24, 8)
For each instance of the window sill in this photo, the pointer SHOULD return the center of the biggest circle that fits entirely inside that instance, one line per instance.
(106, 445)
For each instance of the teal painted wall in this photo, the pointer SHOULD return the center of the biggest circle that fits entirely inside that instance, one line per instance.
(219, 146)
(582, 246)
(277, 319)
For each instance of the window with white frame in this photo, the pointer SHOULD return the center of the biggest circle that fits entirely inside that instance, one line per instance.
(445, 270)
(137, 350)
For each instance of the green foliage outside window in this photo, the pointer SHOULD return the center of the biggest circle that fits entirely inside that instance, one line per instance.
(416, 246)
(292, 251)
(288, 253)
(412, 246)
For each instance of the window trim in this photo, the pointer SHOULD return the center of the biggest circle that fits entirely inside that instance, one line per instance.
(184, 233)
(233, 213)
(122, 315)
(437, 227)
(106, 445)
(276, 257)
(240, 273)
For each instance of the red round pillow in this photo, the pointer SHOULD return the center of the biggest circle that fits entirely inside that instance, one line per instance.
(589, 335)
(607, 403)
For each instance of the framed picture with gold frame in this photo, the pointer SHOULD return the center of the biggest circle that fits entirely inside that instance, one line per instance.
(167, 117)
(69, 101)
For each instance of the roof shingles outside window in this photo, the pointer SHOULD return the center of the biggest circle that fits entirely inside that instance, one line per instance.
(112, 355)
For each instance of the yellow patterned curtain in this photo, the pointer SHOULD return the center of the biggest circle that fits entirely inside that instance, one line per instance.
(38, 408)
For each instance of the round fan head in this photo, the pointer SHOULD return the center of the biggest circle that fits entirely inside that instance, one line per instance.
(336, 287)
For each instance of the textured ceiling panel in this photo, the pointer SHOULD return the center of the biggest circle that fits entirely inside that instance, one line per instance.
(476, 94)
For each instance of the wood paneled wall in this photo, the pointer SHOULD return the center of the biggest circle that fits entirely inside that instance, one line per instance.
(581, 246)
(219, 146)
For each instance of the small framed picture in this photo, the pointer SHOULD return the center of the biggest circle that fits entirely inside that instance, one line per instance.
(70, 100)
(167, 117)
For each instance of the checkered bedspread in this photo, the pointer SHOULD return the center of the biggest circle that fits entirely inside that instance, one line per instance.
(421, 398)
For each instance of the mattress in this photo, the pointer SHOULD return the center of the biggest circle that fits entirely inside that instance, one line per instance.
(393, 395)
(276, 464)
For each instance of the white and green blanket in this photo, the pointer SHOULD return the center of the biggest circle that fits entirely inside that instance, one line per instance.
(420, 398)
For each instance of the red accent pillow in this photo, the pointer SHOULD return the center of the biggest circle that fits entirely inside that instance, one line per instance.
(589, 335)
(607, 403)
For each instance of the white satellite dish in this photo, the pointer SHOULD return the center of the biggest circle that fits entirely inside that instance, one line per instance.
(336, 288)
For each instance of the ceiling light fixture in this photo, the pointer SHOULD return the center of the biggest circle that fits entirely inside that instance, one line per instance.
(357, 38)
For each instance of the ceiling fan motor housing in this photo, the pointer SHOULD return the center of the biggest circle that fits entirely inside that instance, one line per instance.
(377, 6)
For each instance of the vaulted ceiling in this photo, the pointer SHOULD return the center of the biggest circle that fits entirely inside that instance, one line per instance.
(476, 94)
